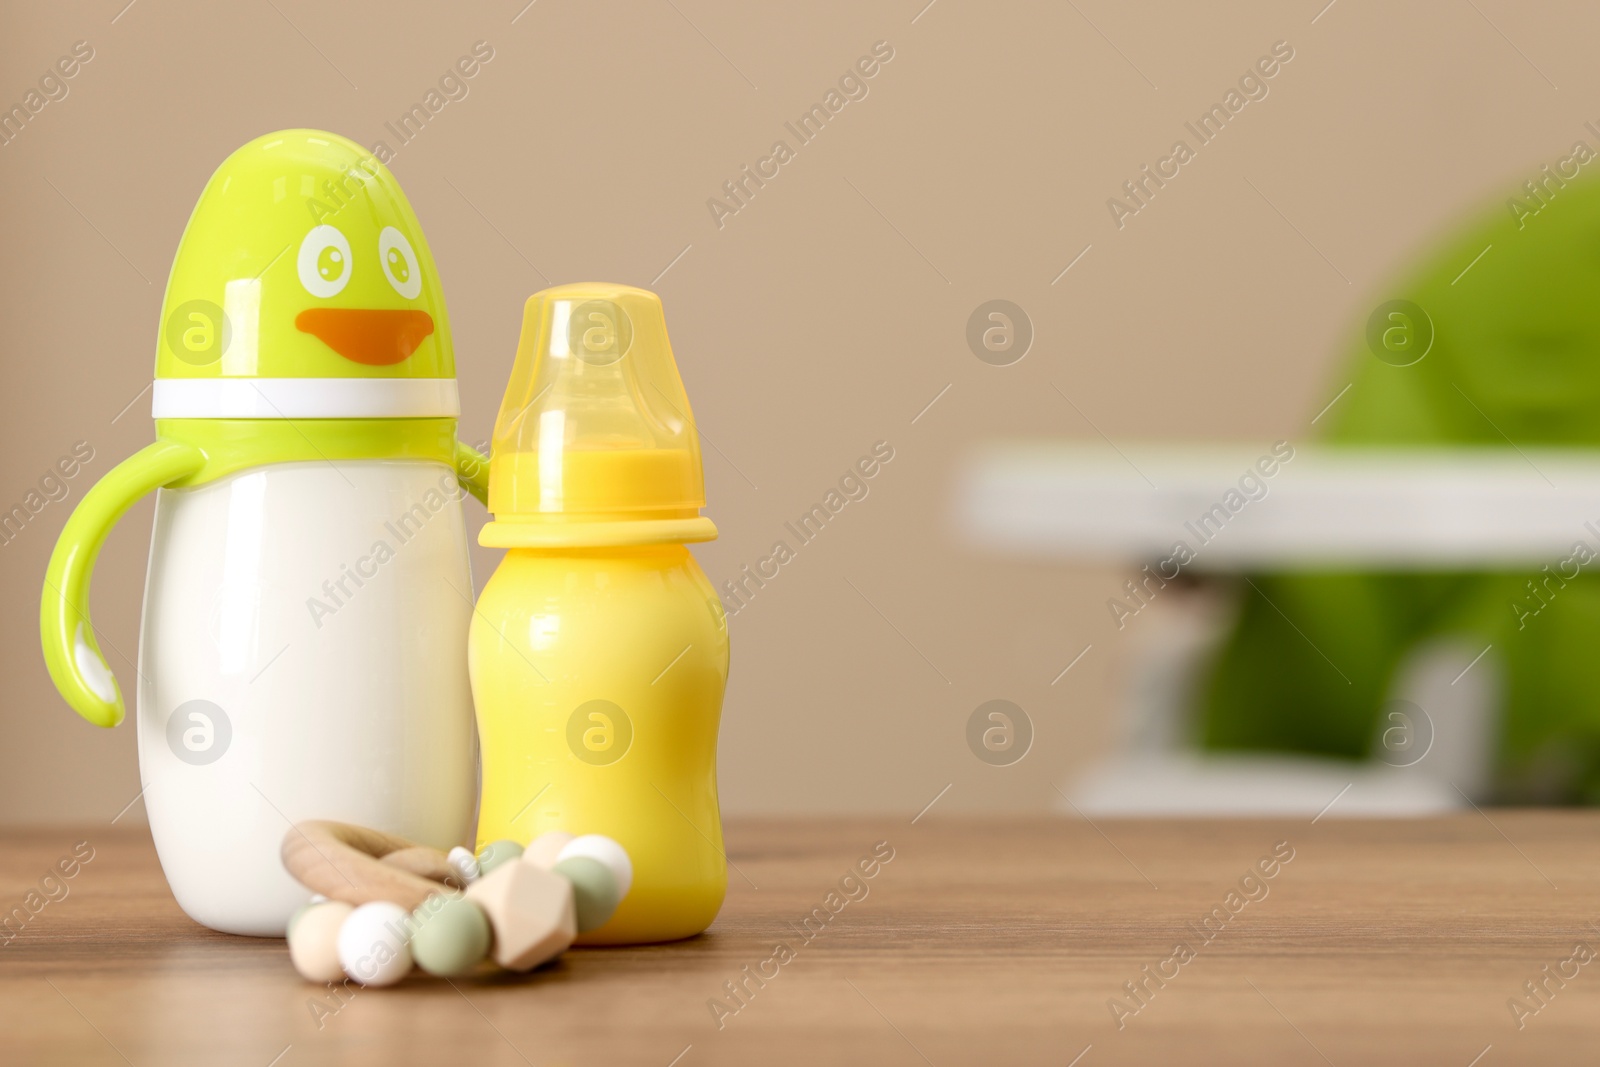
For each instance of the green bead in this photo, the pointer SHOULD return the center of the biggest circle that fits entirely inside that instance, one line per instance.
(594, 890)
(495, 853)
(450, 935)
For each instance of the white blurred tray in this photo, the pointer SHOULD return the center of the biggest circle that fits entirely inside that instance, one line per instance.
(1190, 785)
(1325, 507)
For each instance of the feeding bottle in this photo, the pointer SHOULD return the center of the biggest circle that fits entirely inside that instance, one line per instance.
(303, 646)
(599, 650)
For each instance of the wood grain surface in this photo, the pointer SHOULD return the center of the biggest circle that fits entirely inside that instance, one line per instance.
(978, 942)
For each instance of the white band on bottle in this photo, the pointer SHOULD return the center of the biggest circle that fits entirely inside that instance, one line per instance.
(305, 398)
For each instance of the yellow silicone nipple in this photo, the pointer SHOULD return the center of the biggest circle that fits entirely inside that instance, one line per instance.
(595, 443)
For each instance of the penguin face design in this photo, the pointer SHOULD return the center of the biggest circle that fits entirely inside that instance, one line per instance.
(303, 259)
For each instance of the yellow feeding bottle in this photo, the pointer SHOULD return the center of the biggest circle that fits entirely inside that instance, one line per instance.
(599, 650)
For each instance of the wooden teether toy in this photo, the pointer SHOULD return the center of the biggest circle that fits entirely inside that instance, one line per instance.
(358, 865)
(391, 904)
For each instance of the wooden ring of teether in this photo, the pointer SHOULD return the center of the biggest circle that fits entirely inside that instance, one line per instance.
(358, 865)
(430, 863)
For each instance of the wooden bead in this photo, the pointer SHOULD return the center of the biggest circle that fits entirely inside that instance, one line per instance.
(594, 890)
(294, 916)
(544, 849)
(373, 945)
(531, 911)
(450, 935)
(314, 941)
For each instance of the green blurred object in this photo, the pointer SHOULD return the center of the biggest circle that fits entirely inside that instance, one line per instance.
(594, 890)
(451, 935)
(495, 853)
(1511, 359)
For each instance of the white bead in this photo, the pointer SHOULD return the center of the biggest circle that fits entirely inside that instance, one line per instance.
(372, 944)
(608, 852)
(465, 863)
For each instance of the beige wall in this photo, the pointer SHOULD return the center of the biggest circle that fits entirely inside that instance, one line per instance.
(819, 319)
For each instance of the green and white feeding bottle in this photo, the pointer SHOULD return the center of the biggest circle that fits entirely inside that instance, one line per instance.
(303, 647)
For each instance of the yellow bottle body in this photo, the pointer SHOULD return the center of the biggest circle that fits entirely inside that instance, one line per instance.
(598, 675)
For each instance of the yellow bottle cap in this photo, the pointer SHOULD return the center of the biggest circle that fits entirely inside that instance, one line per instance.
(595, 443)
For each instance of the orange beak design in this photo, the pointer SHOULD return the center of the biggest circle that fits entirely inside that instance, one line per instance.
(377, 338)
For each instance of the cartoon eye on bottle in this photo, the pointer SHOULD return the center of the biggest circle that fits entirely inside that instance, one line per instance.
(324, 261)
(399, 263)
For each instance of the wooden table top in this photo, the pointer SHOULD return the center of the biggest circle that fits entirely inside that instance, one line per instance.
(1402, 941)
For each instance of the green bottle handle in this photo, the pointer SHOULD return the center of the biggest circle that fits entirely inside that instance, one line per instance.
(472, 471)
(70, 648)
(71, 651)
